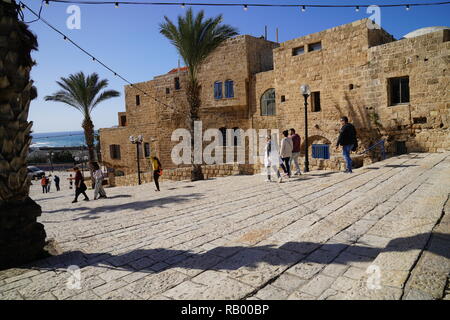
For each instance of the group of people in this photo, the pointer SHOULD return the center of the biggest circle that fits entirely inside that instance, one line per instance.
(80, 186)
(290, 150)
(46, 182)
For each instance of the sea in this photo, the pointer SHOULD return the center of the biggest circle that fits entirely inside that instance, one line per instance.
(58, 139)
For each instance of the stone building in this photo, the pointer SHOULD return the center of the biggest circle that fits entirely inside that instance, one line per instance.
(395, 90)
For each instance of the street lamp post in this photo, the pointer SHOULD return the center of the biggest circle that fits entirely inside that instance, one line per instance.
(137, 141)
(306, 91)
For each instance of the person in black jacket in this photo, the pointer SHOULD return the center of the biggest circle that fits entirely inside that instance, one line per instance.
(347, 139)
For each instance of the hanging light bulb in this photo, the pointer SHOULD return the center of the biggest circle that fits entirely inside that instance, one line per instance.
(245, 7)
(65, 38)
(93, 59)
(46, 2)
(357, 9)
(303, 8)
(407, 7)
(183, 5)
(116, 5)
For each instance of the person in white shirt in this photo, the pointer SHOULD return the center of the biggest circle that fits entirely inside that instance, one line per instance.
(271, 159)
(286, 151)
(98, 177)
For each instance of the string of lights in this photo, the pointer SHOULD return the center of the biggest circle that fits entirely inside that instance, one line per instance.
(245, 6)
(65, 37)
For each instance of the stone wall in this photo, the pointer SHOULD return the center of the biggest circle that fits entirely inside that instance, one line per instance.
(180, 174)
(425, 59)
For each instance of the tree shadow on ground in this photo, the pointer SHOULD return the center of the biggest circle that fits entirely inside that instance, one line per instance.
(228, 258)
(135, 205)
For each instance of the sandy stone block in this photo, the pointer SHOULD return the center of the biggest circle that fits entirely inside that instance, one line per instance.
(343, 284)
(113, 274)
(396, 260)
(305, 270)
(414, 294)
(270, 292)
(428, 281)
(317, 285)
(119, 294)
(156, 283)
(109, 286)
(288, 282)
(355, 273)
(187, 290)
(335, 270)
(219, 286)
(297, 295)
(86, 295)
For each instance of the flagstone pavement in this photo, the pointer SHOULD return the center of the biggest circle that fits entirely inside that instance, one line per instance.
(382, 232)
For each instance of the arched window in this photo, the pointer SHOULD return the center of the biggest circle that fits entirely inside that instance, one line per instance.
(217, 90)
(268, 103)
(229, 90)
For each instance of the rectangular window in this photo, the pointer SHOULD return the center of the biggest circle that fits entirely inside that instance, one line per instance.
(138, 100)
(298, 51)
(229, 91)
(147, 149)
(315, 101)
(398, 90)
(321, 151)
(218, 90)
(315, 46)
(123, 121)
(167, 90)
(177, 83)
(114, 151)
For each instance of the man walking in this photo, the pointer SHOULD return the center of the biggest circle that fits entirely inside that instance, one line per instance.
(286, 151)
(296, 141)
(347, 139)
(56, 179)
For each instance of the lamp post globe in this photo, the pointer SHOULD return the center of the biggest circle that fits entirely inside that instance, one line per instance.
(305, 89)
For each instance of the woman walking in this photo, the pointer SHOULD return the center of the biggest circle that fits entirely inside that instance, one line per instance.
(271, 159)
(157, 171)
(98, 177)
(80, 187)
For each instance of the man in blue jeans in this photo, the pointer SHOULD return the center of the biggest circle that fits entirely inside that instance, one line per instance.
(347, 139)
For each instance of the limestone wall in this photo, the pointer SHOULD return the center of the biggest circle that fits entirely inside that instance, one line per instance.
(425, 59)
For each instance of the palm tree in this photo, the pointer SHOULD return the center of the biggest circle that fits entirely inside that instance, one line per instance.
(22, 238)
(195, 39)
(83, 93)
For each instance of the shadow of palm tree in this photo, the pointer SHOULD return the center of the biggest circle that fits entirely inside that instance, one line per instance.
(135, 205)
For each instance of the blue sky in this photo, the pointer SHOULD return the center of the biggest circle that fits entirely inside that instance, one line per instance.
(128, 40)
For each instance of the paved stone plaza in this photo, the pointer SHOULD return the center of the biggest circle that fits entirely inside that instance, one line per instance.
(382, 232)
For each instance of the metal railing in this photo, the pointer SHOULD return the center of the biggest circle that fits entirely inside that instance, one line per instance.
(379, 143)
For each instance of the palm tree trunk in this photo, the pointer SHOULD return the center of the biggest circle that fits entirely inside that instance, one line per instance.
(193, 96)
(22, 238)
(88, 127)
